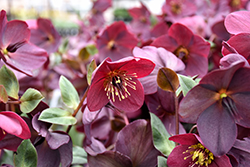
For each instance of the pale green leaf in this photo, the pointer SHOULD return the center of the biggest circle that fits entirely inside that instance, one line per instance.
(30, 99)
(9, 81)
(91, 68)
(69, 94)
(160, 136)
(57, 116)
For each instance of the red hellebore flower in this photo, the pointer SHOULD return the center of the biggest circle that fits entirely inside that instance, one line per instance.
(192, 153)
(15, 49)
(190, 48)
(117, 82)
(13, 124)
(219, 102)
(115, 42)
(44, 34)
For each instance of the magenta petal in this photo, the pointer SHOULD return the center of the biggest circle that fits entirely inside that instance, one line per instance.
(232, 59)
(132, 102)
(28, 57)
(181, 34)
(14, 32)
(185, 139)
(221, 161)
(217, 129)
(3, 21)
(14, 124)
(236, 22)
(142, 67)
(96, 96)
(166, 42)
(135, 141)
(196, 101)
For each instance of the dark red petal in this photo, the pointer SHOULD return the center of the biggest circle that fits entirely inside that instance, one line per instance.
(238, 45)
(132, 102)
(221, 78)
(217, 129)
(181, 34)
(196, 65)
(242, 104)
(3, 20)
(196, 101)
(176, 157)
(166, 42)
(221, 162)
(14, 124)
(240, 81)
(96, 97)
(185, 139)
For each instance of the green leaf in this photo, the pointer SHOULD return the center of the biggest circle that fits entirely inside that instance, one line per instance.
(26, 155)
(162, 161)
(69, 94)
(91, 68)
(160, 136)
(167, 79)
(30, 99)
(9, 81)
(186, 83)
(91, 49)
(79, 155)
(3, 94)
(57, 116)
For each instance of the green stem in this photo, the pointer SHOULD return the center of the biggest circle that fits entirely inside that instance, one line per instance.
(78, 108)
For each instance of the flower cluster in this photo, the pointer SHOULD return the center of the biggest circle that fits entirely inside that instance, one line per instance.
(159, 90)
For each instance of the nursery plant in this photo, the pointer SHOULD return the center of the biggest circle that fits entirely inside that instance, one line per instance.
(168, 90)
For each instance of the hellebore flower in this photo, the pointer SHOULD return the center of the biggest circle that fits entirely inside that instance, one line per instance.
(192, 153)
(44, 35)
(190, 48)
(115, 42)
(219, 102)
(162, 58)
(15, 50)
(13, 124)
(117, 82)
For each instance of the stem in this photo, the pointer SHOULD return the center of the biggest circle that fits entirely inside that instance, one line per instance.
(78, 108)
(176, 116)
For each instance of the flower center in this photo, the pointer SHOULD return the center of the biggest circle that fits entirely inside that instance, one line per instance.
(117, 84)
(199, 155)
(182, 53)
(175, 7)
(143, 19)
(111, 45)
(235, 3)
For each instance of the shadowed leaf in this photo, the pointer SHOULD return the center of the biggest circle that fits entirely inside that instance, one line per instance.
(26, 155)
(167, 79)
(9, 81)
(91, 68)
(3, 94)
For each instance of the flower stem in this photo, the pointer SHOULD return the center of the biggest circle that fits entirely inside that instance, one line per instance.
(176, 115)
(78, 107)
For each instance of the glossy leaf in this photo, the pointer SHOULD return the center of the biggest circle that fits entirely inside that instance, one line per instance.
(30, 99)
(91, 68)
(3, 94)
(26, 155)
(69, 94)
(79, 155)
(9, 81)
(186, 83)
(162, 161)
(160, 136)
(57, 116)
(167, 79)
